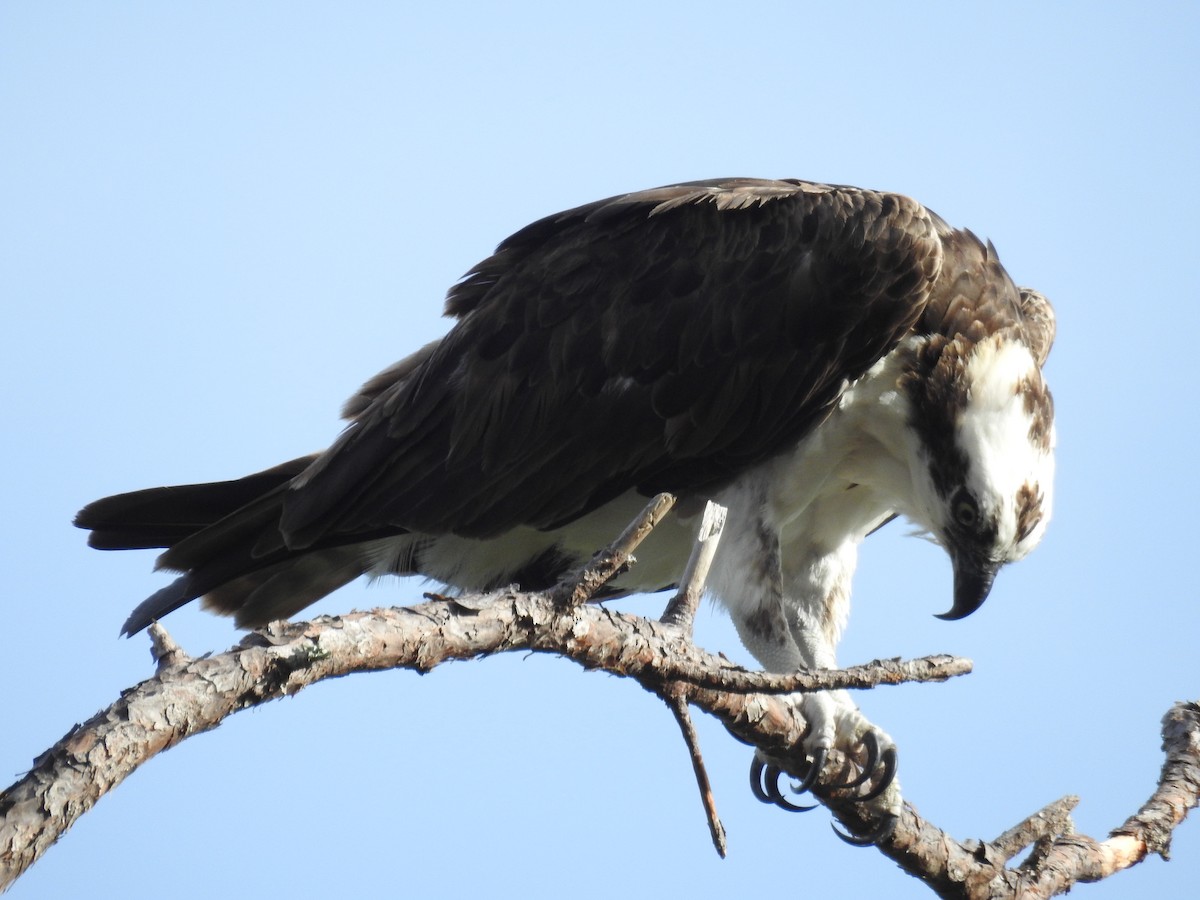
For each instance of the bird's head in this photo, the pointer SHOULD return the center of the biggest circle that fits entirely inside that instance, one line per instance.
(984, 469)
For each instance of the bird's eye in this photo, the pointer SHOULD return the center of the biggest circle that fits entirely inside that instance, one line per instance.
(966, 512)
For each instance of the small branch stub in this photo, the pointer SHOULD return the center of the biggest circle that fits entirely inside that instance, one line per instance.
(581, 586)
(1050, 821)
(163, 649)
(681, 611)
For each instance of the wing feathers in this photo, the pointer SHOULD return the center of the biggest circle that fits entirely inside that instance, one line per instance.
(645, 340)
(665, 340)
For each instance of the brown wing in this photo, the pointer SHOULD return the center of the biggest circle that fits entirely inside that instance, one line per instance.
(663, 340)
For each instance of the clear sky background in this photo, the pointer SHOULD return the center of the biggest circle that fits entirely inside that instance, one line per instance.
(218, 219)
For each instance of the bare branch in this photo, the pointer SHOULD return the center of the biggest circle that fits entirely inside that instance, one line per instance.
(878, 672)
(581, 586)
(188, 696)
(1062, 859)
(681, 611)
(1178, 786)
(1051, 820)
(1076, 858)
(196, 694)
(678, 705)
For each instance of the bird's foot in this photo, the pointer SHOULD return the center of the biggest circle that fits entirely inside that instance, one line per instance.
(867, 771)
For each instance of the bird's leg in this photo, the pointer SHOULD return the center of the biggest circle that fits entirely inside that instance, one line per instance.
(751, 574)
(765, 633)
(788, 615)
(836, 723)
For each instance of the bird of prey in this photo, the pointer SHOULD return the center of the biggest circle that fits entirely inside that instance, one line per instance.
(817, 358)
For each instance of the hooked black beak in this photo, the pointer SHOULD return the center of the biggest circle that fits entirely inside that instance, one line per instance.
(972, 582)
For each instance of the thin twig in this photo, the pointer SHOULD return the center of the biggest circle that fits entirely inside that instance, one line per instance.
(681, 611)
(579, 587)
(939, 667)
(679, 706)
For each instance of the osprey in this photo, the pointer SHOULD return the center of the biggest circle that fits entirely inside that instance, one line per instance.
(816, 358)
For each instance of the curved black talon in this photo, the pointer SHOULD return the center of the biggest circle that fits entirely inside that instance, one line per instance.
(871, 742)
(767, 789)
(887, 761)
(756, 771)
(885, 829)
(764, 782)
(820, 755)
(775, 795)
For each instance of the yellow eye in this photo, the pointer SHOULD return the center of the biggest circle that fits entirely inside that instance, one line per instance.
(966, 512)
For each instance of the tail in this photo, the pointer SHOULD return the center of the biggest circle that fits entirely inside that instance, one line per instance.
(224, 537)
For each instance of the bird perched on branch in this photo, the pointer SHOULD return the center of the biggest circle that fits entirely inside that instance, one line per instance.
(816, 358)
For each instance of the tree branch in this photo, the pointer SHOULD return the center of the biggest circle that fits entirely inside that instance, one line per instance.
(681, 611)
(187, 696)
(1075, 858)
(1045, 823)
(613, 559)
(678, 706)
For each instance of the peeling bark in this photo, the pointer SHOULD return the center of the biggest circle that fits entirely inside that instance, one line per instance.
(187, 696)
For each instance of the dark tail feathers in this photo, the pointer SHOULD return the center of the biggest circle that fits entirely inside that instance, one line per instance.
(224, 537)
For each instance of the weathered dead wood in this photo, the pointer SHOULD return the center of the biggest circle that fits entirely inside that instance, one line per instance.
(938, 667)
(1078, 858)
(1061, 859)
(1053, 819)
(194, 695)
(187, 696)
(609, 562)
(678, 705)
(681, 611)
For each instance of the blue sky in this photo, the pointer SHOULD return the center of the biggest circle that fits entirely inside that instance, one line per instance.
(217, 220)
